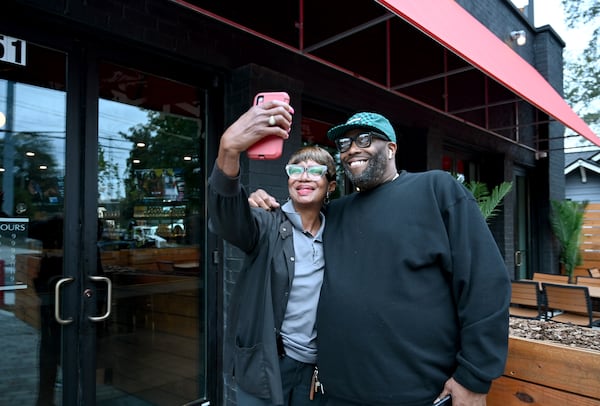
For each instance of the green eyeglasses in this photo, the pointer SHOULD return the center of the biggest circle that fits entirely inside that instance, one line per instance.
(361, 140)
(313, 172)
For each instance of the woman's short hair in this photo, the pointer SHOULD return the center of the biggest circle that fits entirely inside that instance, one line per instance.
(317, 154)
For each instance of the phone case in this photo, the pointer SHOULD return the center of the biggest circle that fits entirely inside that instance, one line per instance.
(270, 147)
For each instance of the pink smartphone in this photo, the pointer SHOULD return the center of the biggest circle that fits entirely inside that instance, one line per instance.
(270, 147)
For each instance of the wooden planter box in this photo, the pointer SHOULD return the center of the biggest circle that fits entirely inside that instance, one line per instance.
(541, 373)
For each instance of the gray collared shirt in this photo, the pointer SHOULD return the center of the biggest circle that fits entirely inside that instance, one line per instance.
(298, 330)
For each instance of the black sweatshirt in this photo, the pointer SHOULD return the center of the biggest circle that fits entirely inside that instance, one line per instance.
(415, 291)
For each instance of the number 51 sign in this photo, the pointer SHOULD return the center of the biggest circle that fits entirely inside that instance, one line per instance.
(12, 50)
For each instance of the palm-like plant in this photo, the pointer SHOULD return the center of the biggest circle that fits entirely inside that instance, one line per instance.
(488, 201)
(566, 220)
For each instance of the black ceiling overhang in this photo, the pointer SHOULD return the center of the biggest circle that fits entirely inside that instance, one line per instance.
(431, 52)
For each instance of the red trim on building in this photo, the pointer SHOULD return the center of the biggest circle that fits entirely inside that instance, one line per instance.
(448, 23)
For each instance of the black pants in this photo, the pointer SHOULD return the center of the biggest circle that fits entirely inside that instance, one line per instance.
(296, 378)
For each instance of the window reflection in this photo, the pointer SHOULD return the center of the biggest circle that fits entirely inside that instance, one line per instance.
(148, 179)
(32, 150)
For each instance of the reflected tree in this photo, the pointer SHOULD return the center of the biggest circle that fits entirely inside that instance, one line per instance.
(164, 142)
(38, 180)
(108, 176)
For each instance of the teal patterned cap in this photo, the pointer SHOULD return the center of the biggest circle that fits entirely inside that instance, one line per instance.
(372, 121)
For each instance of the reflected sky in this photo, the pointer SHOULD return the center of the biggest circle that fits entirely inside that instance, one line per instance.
(42, 111)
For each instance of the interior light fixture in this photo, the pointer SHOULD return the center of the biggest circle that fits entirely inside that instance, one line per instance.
(2, 119)
(518, 37)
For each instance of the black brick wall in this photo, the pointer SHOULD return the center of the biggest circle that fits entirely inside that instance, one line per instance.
(544, 51)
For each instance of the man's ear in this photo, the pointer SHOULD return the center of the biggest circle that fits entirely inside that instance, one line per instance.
(391, 149)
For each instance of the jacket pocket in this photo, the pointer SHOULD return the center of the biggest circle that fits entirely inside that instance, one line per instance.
(250, 370)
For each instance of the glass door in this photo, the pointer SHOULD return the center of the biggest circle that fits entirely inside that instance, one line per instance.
(35, 323)
(102, 233)
(150, 207)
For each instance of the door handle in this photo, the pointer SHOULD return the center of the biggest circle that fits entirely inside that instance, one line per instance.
(108, 298)
(57, 301)
(518, 258)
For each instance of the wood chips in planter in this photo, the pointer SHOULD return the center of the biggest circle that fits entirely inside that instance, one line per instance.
(566, 334)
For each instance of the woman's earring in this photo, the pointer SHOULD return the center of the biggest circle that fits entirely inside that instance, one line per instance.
(326, 200)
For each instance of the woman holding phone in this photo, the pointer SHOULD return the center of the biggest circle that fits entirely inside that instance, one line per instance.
(271, 338)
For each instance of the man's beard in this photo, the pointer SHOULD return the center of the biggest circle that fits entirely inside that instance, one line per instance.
(372, 175)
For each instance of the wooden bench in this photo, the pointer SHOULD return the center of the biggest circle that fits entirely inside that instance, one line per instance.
(525, 300)
(588, 281)
(573, 303)
(594, 272)
(550, 278)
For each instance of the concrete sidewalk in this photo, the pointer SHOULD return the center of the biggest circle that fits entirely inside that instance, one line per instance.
(19, 361)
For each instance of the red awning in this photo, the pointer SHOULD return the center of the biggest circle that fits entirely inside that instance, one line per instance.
(448, 23)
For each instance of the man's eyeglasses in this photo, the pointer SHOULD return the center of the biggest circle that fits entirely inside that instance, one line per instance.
(361, 140)
(313, 172)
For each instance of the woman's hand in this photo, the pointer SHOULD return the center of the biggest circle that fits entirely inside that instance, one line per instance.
(252, 126)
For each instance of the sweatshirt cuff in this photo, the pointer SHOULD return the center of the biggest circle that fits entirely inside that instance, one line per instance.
(471, 382)
(223, 184)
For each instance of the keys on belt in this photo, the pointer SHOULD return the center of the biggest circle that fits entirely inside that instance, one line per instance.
(315, 385)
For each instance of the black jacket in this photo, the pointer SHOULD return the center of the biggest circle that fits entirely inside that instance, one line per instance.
(257, 305)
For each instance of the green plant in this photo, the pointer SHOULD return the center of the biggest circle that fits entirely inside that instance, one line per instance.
(566, 219)
(488, 201)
